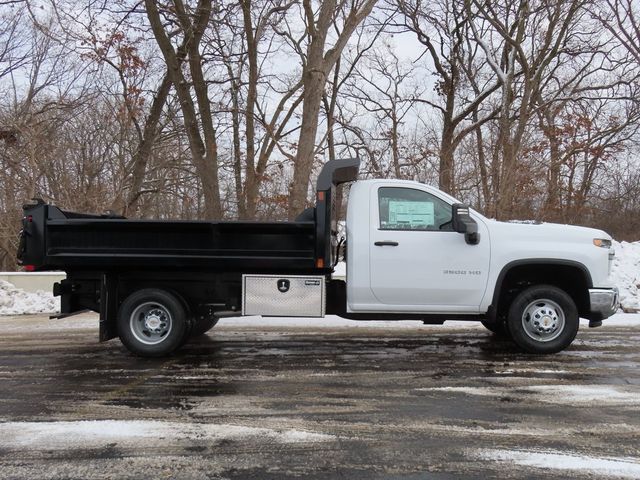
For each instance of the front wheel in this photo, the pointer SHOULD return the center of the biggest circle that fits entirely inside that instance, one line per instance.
(152, 323)
(543, 319)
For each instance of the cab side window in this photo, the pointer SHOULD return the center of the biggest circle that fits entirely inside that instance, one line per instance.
(411, 209)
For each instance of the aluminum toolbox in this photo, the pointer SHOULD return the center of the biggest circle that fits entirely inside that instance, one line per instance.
(283, 296)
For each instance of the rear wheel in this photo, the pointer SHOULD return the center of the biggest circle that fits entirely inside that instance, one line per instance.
(543, 319)
(152, 323)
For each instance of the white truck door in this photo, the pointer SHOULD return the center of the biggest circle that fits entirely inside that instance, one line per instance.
(417, 262)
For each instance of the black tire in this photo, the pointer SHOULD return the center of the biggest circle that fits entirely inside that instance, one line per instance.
(497, 327)
(543, 319)
(203, 326)
(152, 323)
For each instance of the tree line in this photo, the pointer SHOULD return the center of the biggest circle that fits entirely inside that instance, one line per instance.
(526, 109)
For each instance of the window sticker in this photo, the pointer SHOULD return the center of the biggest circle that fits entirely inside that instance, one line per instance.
(410, 215)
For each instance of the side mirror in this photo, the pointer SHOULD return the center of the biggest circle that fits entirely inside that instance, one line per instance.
(463, 223)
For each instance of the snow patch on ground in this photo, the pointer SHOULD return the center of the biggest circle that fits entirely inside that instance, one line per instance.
(13, 324)
(621, 467)
(576, 394)
(619, 320)
(15, 301)
(559, 394)
(530, 429)
(625, 272)
(528, 371)
(97, 433)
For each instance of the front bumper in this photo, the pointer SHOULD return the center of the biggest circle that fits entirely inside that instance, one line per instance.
(604, 302)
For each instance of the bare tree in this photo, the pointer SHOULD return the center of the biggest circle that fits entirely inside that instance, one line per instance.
(119, 48)
(383, 87)
(122, 55)
(443, 28)
(522, 68)
(39, 87)
(622, 19)
(200, 128)
(318, 64)
(275, 125)
(195, 109)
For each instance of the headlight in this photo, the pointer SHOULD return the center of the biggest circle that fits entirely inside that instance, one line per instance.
(602, 242)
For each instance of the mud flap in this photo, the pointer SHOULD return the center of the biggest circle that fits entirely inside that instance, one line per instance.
(108, 307)
(70, 305)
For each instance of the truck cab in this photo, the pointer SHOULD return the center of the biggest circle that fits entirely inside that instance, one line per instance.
(406, 256)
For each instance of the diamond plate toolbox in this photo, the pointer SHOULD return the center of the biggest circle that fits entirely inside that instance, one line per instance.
(283, 296)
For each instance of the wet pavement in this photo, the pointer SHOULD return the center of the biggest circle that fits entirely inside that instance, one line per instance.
(281, 402)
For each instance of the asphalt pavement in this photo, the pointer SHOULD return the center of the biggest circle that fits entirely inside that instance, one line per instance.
(279, 402)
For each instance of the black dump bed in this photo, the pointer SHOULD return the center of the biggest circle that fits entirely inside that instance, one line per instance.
(56, 239)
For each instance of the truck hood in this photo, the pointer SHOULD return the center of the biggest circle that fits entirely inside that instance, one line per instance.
(567, 243)
(545, 231)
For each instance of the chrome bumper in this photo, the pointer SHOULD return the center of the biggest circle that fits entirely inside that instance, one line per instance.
(604, 302)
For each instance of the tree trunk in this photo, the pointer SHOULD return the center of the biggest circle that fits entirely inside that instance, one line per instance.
(143, 152)
(482, 167)
(315, 72)
(237, 157)
(313, 88)
(204, 152)
(552, 208)
(252, 182)
(445, 180)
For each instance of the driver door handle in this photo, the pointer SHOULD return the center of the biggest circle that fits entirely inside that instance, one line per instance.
(387, 243)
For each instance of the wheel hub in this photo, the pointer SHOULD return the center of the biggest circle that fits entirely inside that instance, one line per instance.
(543, 320)
(152, 323)
(155, 321)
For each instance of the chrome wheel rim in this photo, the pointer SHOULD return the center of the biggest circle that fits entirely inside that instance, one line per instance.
(543, 320)
(150, 323)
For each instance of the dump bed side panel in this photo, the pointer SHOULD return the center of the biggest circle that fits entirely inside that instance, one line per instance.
(54, 239)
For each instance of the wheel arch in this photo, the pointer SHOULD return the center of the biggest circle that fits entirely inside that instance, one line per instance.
(571, 276)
